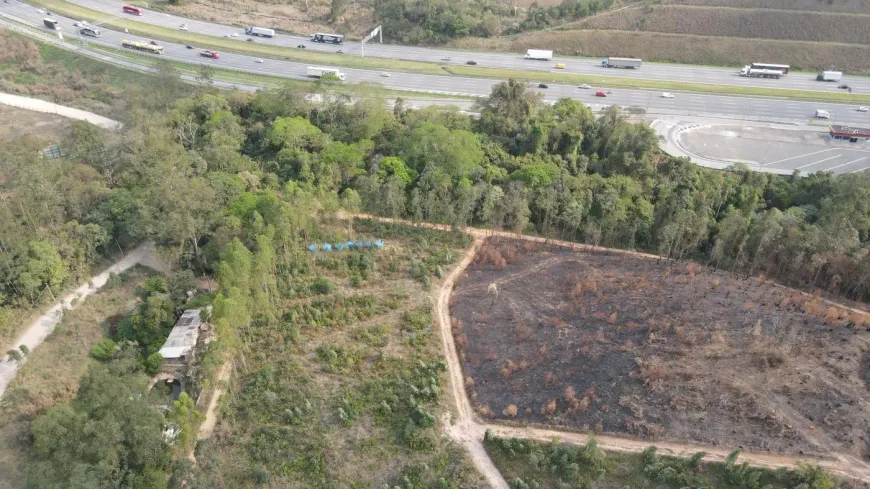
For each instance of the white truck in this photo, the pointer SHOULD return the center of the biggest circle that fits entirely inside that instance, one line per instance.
(259, 31)
(541, 54)
(627, 63)
(319, 72)
(830, 76)
(750, 72)
(823, 114)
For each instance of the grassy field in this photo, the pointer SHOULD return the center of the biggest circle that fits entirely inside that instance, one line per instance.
(52, 373)
(531, 465)
(355, 365)
(679, 48)
(845, 6)
(740, 23)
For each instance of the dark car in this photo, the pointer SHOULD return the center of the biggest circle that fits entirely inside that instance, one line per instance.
(470, 62)
(844, 87)
(542, 85)
(300, 46)
(250, 39)
(154, 43)
(190, 47)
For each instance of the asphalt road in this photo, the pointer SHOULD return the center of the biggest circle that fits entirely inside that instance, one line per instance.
(586, 66)
(682, 104)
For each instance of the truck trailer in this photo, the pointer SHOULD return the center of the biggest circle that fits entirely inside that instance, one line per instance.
(830, 76)
(319, 72)
(259, 31)
(750, 72)
(51, 24)
(540, 54)
(627, 63)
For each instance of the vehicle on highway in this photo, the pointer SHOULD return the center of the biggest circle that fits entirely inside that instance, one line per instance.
(234, 34)
(207, 53)
(183, 27)
(51, 24)
(250, 39)
(750, 72)
(333, 38)
(190, 47)
(259, 31)
(667, 95)
(829, 76)
(129, 9)
(585, 86)
(471, 63)
(560, 66)
(320, 71)
(625, 63)
(600, 93)
(822, 114)
(227, 35)
(543, 85)
(90, 32)
(385, 74)
(539, 54)
(844, 87)
(340, 51)
(862, 109)
(769, 66)
(300, 46)
(445, 58)
(153, 42)
(81, 23)
(258, 60)
(142, 46)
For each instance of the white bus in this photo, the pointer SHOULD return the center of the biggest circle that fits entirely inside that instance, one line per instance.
(333, 38)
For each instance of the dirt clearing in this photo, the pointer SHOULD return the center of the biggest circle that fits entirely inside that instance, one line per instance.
(15, 122)
(661, 351)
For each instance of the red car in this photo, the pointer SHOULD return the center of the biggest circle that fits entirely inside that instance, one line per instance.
(209, 54)
(600, 93)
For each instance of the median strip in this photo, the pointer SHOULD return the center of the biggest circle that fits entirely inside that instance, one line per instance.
(348, 61)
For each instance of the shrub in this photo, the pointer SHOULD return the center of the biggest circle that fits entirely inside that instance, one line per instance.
(511, 411)
(322, 286)
(153, 363)
(104, 350)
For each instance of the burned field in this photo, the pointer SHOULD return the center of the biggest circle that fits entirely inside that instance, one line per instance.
(624, 344)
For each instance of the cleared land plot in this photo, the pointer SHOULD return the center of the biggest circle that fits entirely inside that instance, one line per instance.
(742, 23)
(631, 345)
(807, 151)
(15, 122)
(848, 6)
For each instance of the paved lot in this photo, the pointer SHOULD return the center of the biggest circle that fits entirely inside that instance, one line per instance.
(807, 150)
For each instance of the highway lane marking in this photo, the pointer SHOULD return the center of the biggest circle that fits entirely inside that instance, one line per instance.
(849, 163)
(817, 162)
(798, 156)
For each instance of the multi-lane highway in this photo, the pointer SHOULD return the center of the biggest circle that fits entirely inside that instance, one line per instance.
(683, 103)
(586, 66)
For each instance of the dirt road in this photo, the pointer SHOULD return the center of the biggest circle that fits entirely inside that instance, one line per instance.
(45, 324)
(468, 430)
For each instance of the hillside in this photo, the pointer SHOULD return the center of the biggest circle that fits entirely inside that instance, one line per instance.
(804, 33)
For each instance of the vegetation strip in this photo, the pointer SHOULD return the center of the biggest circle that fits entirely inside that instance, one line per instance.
(148, 30)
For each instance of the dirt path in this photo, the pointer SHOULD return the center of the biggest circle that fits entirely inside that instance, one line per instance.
(467, 430)
(45, 324)
(207, 427)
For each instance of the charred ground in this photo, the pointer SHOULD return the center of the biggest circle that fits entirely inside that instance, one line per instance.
(618, 343)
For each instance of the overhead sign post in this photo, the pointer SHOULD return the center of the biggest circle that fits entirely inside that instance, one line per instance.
(377, 31)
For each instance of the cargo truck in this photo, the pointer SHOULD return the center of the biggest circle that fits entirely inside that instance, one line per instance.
(319, 72)
(259, 31)
(627, 63)
(750, 72)
(540, 54)
(830, 76)
(51, 24)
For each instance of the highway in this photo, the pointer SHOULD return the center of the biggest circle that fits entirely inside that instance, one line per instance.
(682, 104)
(585, 66)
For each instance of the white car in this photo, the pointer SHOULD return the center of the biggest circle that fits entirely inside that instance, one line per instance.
(258, 60)
(183, 27)
(385, 74)
(234, 34)
(667, 95)
(585, 86)
(81, 23)
(445, 58)
(227, 35)
(862, 109)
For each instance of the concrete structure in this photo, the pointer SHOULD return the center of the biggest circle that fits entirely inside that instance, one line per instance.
(849, 133)
(179, 350)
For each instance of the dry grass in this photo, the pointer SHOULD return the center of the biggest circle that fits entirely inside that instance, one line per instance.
(15, 122)
(680, 48)
(846, 6)
(52, 373)
(741, 23)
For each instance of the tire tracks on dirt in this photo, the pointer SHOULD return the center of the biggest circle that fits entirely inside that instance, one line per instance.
(467, 430)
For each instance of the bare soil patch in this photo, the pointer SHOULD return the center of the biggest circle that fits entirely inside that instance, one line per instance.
(631, 345)
(847, 6)
(15, 122)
